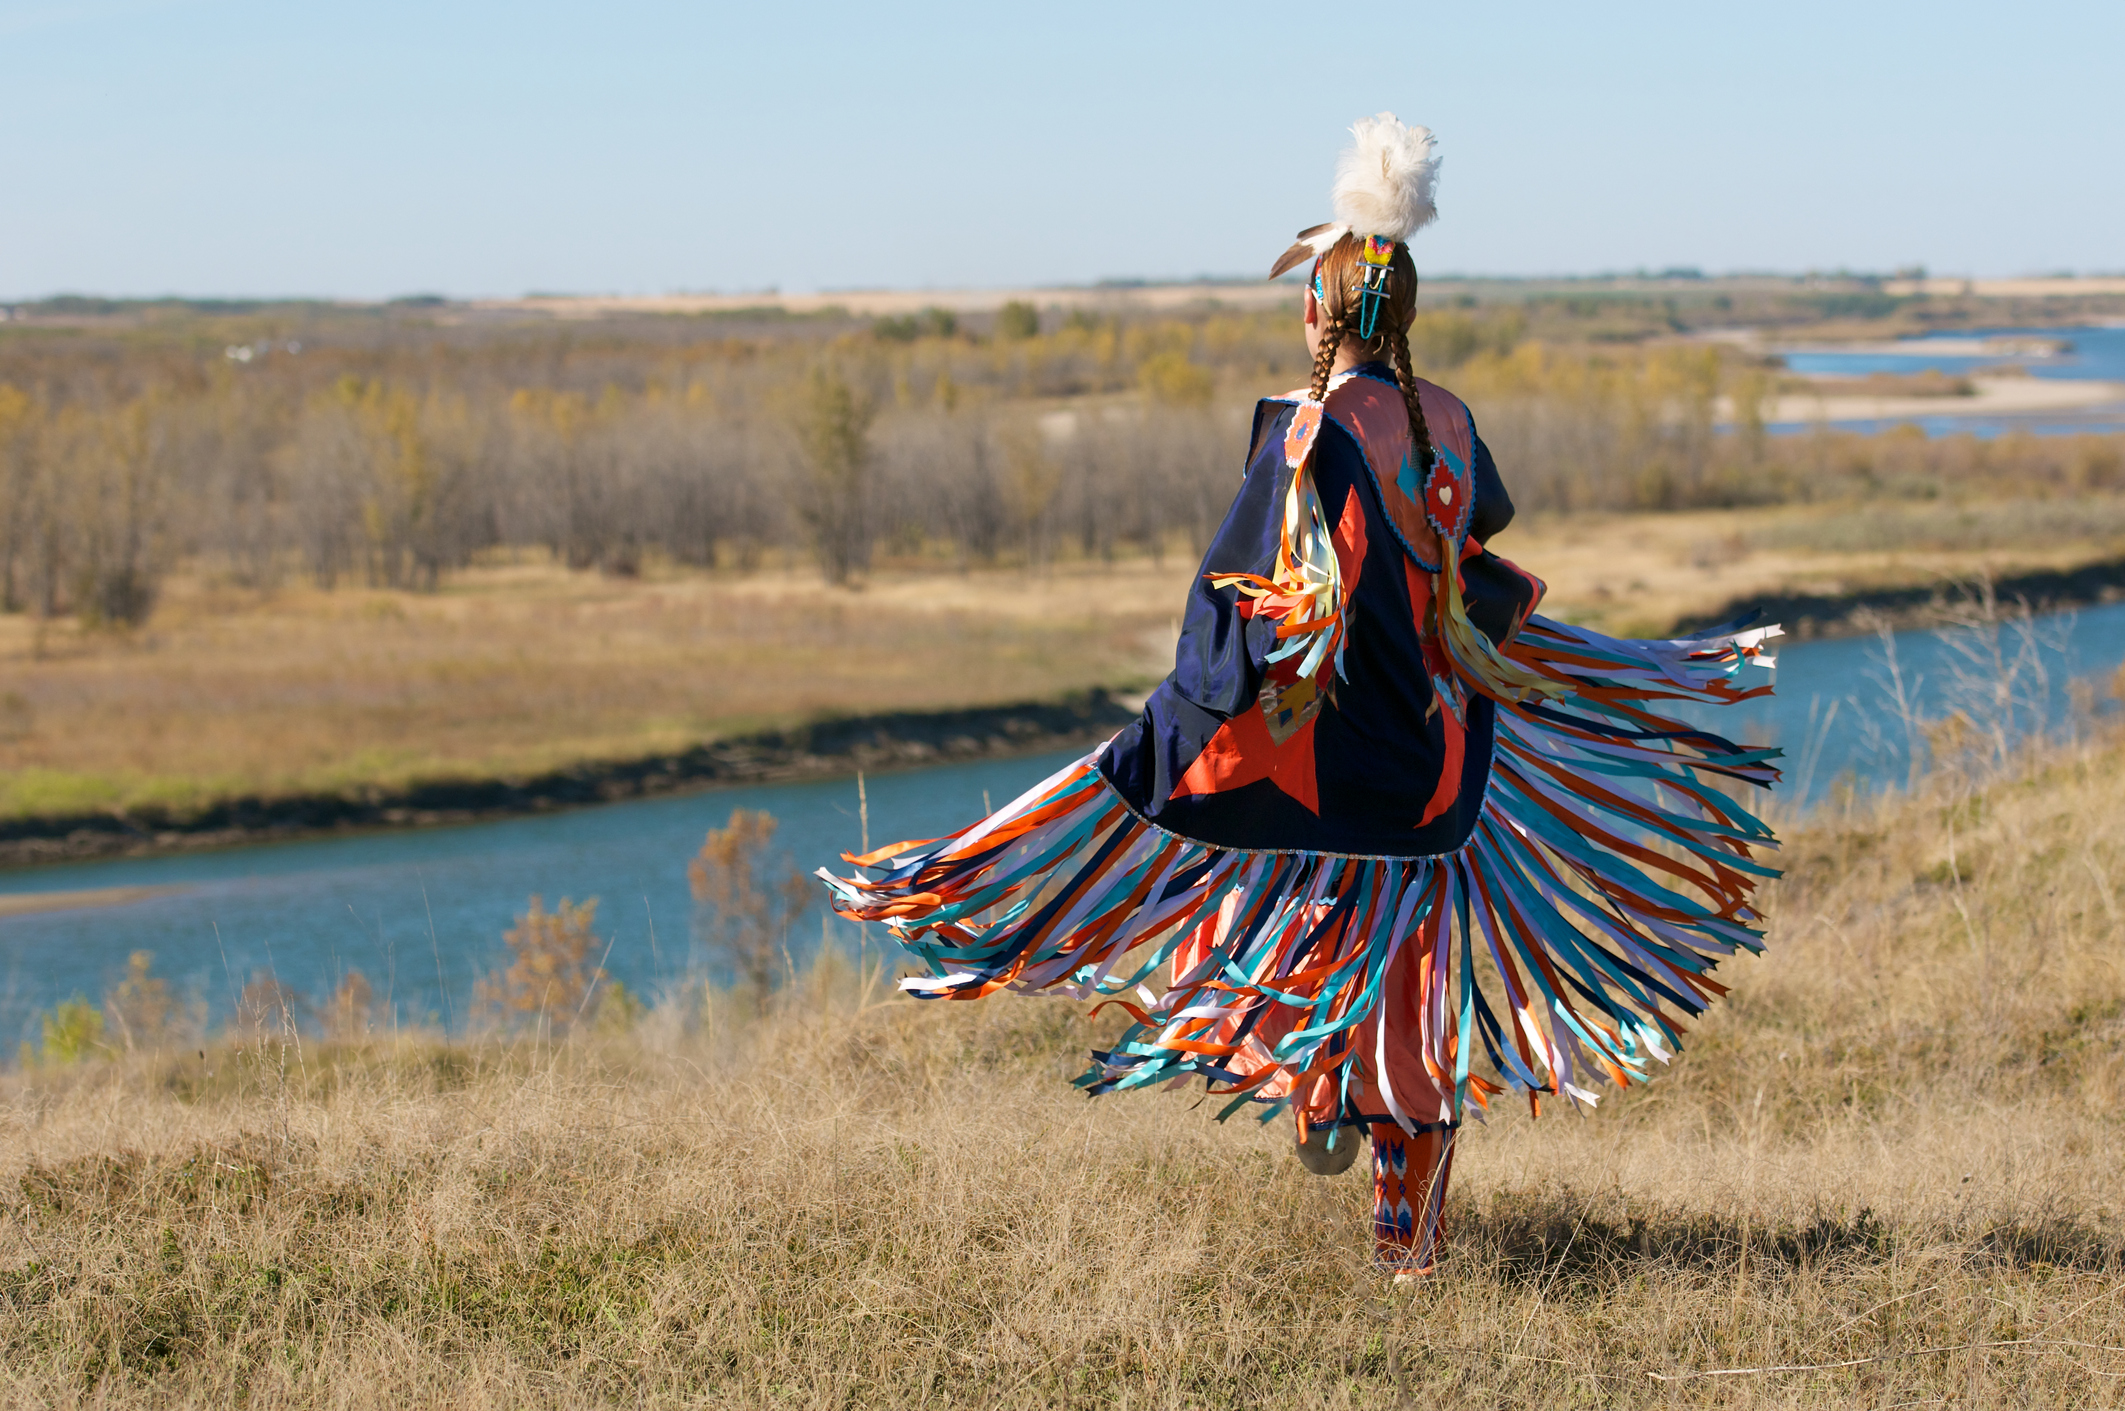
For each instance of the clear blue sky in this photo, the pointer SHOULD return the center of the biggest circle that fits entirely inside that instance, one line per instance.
(237, 147)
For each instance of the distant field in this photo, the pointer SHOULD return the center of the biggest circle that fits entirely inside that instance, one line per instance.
(512, 670)
(1884, 1173)
(1638, 575)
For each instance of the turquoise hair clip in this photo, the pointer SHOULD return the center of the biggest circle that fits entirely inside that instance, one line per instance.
(1378, 256)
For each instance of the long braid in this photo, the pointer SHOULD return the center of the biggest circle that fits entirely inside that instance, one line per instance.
(1406, 378)
(1324, 360)
(1420, 449)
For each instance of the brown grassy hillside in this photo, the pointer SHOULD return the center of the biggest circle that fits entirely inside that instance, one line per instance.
(1888, 1168)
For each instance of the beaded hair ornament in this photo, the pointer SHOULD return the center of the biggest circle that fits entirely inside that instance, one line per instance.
(1385, 188)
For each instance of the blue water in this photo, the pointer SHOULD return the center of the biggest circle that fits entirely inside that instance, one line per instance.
(421, 914)
(1835, 711)
(2097, 354)
(2083, 421)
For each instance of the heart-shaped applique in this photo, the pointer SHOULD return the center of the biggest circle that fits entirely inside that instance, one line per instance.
(1446, 501)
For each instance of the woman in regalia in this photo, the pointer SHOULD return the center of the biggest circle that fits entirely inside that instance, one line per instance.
(1386, 844)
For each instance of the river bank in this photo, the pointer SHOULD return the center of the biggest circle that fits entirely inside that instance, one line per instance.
(1988, 397)
(841, 747)
(824, 749)
(1909, 606)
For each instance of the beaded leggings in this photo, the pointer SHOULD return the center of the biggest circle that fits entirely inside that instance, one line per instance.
(1409, 1175)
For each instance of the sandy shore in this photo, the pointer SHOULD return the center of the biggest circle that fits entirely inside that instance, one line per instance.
(1995, 396)
(35, 903)
(1992, 345)
(2053, 287)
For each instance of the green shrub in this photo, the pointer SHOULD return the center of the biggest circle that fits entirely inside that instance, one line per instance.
(1017, 320)
(930, 323)
(71, 1032)
(618, 1010)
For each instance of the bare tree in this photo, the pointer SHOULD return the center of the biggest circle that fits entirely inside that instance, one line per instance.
(832, 422)
(745, 897)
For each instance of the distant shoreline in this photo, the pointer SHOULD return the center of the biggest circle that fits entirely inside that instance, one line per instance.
(1811, 616)
(1994, 396)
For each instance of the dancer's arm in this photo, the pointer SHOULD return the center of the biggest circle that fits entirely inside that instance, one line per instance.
(1217, 665)
(1494, 507)
(1499, 593)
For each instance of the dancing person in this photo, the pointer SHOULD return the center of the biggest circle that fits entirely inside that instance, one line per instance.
(1388, 843)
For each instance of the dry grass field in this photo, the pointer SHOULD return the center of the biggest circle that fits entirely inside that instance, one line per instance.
(511, 670)
(1884, 1174)
(1639, 574)
(517, 667)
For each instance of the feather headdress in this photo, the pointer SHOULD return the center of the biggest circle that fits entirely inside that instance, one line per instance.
(1385, 185)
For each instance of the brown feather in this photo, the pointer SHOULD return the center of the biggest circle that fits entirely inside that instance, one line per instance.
(1312, 230)
(1291, 259)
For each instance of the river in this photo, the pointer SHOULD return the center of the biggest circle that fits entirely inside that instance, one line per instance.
(2093, 353)
(421, 914)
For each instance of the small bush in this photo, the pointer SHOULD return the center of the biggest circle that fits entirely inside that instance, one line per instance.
(71, 1032)
(346, 1014)
(267, 1006)
(551, 977)
(745, 898)
(1017, 320)
(141, 1004)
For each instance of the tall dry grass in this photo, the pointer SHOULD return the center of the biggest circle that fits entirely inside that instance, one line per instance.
(1896, 1147)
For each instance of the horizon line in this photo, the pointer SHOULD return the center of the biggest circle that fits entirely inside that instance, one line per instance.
(1910, 281)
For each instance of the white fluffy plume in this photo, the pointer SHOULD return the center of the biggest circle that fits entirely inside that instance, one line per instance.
(1386, 179)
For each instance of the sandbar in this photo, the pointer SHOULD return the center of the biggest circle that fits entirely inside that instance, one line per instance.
(1995, 396)
(38, 903)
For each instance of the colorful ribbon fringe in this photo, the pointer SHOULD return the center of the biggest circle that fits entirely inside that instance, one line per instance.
(1305, 595)
(1608, 872)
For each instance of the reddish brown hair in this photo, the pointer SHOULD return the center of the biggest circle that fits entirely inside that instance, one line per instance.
(1342, 274)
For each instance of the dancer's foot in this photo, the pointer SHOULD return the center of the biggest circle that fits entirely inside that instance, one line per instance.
(1322, 1160)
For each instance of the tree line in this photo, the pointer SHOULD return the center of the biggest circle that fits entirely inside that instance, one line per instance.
(392, 458)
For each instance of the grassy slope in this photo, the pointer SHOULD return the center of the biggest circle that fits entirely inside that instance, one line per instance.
(1901, 1134)
(1637, 575)
(516, 670)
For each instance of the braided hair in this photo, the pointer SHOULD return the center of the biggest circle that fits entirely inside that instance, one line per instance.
(1342, 273)
(1324, 358)
(1421, 452)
